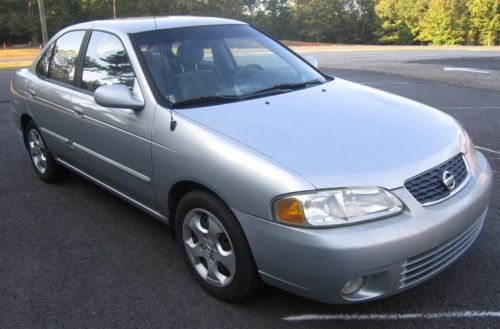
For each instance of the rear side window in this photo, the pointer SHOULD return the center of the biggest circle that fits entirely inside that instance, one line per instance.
(106, 63)
(42, 68)
(63, 64)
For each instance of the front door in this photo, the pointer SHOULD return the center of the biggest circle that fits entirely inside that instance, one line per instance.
(116, 141)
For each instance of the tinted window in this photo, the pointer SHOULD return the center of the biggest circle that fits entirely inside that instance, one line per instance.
(42, 68)
(63, 64)
(106, 62)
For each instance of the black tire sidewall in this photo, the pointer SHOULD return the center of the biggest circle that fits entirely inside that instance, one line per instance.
(246, 279)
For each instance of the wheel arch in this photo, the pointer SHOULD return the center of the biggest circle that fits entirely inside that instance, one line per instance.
(25, 119)
(178, 191)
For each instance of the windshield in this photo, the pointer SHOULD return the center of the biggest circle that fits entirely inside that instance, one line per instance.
(214, 64)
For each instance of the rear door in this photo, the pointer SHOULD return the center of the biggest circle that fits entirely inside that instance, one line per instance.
(51, 90)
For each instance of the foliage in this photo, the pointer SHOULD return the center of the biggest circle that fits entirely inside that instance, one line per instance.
(444, 23)
(441, 22)
(484, 22)
(400, 20)
(341, 21)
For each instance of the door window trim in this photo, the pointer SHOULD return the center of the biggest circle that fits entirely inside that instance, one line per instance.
(82, 63)
(49, 52)
(77, 81)
(58, 82)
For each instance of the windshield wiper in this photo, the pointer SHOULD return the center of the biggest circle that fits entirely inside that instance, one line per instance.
(221, 99)
(205, 100)
(285, 87)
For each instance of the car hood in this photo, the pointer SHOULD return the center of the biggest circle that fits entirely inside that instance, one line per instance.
(340, 133)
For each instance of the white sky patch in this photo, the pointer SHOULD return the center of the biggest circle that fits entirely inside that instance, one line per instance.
(465, 69)
(384, 317)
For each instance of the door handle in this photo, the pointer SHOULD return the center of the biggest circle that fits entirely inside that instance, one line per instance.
(31, 92)
(78, 110)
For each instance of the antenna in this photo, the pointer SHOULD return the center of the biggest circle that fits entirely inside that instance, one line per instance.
(173, 123)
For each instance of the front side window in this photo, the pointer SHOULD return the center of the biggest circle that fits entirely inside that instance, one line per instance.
(63, 64)
(209, 64)
(106, 63)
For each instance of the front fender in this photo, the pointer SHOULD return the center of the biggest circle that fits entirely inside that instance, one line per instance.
(244, 178)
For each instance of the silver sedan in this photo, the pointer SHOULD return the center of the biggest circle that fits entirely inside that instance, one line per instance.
(265, 168)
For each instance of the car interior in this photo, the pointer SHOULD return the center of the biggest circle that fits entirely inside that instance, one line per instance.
(199, 68)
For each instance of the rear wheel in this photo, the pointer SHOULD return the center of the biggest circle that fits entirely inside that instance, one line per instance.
(42, 160)
(214, 247)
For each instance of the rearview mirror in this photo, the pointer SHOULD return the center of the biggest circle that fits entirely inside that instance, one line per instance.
(118, 96)
(312, 60)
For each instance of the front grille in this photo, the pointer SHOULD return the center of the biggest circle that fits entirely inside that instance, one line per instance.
(422, 266)
(428, 187)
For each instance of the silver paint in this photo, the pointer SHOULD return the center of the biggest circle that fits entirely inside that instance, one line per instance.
(118, 96)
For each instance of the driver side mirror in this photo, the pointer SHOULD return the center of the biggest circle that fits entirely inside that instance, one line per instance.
(118, 96)
(312, 60)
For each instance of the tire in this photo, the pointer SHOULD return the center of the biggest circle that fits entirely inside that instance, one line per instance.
(42, 160)
(214, 247)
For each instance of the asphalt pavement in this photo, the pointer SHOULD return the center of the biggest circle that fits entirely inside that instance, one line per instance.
(72, 255)
(491, 63)
(464, 66)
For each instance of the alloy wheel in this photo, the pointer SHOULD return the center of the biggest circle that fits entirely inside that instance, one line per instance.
(209, 247)
(37, 151)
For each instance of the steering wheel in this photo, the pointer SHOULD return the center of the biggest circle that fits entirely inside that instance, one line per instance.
(246, 70)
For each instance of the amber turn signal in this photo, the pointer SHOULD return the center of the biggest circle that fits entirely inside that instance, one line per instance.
(289, 210)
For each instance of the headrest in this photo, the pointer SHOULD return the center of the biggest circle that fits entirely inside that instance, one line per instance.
(190, 52)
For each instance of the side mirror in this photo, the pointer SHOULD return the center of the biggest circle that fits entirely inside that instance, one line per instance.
(312, 60)
(118, 96)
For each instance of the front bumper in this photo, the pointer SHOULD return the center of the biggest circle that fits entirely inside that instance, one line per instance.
(392, 254)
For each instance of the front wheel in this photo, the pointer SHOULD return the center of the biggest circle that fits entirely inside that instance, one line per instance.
(214, 247)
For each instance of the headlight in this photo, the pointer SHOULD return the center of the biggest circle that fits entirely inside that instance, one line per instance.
(468, 147)
(336, 207)
(470, 151)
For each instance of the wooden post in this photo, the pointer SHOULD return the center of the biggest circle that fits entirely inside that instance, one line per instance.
(41, 9)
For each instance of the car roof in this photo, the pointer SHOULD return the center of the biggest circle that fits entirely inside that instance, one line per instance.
(142, 24)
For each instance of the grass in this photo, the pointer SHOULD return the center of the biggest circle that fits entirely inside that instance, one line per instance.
(17, 58)
(14, 65)
(18, 52)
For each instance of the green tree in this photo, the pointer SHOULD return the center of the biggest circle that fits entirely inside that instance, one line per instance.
(341, 21)
(327, 20)
(367, 21)
(273, 16)
(19, 21)
(444, 23)
(400, 20)
(484, 22)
